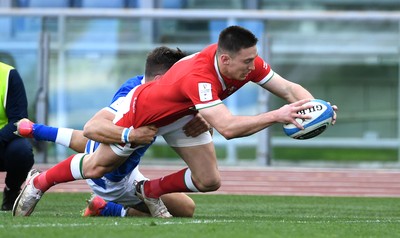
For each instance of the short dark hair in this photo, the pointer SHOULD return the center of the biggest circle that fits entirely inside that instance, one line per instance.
(234, 38)
(160, 59)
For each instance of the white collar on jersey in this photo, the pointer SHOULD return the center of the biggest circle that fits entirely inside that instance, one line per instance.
(219, 74)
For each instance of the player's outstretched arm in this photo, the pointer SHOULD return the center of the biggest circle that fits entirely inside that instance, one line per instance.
(232, 126)
(291, 92)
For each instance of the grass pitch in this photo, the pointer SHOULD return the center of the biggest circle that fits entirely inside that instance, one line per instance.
(58, 215)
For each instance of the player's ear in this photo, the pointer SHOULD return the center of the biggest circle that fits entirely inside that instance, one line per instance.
(225, 59)
(156, 77)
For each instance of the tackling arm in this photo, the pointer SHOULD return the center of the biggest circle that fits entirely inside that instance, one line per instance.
(102, 129)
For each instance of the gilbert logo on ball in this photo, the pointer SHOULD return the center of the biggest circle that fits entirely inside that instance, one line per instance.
(321, 117)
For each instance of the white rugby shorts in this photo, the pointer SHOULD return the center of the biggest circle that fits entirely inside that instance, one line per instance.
(174, 136)
(122, 192)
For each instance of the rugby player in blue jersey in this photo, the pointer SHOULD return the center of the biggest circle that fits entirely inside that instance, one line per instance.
(114, 193)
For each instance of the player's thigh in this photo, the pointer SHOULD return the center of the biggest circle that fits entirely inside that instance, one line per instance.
(198, 152)
(201, 160)
(103, 158)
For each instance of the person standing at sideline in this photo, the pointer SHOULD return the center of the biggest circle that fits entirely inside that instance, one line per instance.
(16, 155)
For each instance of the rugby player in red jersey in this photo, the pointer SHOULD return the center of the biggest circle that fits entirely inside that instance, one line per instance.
(196, 84)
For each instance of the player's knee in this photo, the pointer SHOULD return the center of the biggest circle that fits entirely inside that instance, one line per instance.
(188, 209)
(210, 183)
(19, 153)
(179, 205)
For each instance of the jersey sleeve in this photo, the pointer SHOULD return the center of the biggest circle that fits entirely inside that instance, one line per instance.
(202, 91)
(262, 73)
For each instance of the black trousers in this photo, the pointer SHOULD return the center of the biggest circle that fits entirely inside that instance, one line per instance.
(16, 159)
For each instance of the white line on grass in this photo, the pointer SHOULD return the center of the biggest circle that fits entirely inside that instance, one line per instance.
(169, 222)
(194, 221)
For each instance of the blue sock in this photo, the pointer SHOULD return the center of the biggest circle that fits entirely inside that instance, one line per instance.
(112, 210)
(43, 132)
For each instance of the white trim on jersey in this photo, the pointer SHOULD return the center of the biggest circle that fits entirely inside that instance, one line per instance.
(221, 80)
(209, 104)
(115, 105)
(266, 78)
(125, 106)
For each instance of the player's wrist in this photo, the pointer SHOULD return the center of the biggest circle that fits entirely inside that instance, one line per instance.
(132, 136)
(125, 135)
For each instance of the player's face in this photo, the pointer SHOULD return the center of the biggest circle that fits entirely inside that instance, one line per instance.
(241, 64)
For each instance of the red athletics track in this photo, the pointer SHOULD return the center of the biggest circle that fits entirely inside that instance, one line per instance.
(280, 181)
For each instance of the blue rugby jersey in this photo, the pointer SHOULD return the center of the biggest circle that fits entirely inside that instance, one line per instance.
(134, 159)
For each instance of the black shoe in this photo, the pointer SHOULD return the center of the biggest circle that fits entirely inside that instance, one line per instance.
(9, 197)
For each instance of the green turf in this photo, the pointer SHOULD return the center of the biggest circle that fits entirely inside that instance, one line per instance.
(335, 154)
(58, 215)
(293, 154)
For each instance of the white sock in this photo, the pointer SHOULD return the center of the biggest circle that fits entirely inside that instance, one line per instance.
(189, 182)
(123, 212)
(64, 136)
(75, 166)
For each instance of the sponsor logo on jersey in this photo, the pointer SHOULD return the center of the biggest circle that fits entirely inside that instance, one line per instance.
(205, 92)
(265, 65)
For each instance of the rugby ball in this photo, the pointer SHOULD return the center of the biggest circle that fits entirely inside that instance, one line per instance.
(321, 117)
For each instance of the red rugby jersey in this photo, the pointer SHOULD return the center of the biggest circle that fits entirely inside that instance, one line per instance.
(191, 84)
